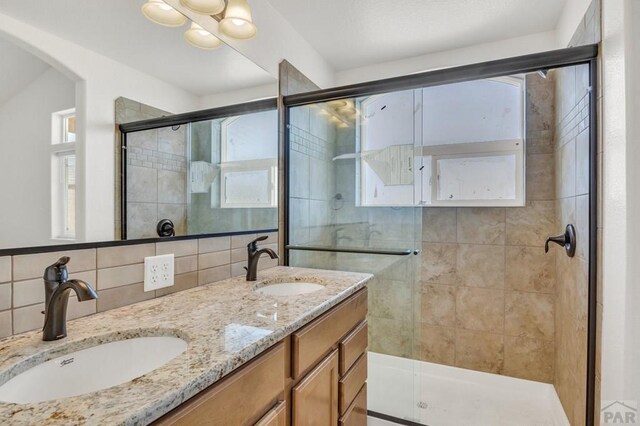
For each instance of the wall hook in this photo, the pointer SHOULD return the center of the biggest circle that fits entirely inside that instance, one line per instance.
(566, 240)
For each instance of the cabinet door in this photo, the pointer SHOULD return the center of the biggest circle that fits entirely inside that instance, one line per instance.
(315, 398)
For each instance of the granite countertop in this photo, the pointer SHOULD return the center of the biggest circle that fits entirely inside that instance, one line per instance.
(225, 324)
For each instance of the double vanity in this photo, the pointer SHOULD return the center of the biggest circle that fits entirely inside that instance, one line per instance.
(289, 348)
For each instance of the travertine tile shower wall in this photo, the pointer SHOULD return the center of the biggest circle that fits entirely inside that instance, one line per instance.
(117, 273)
(488, 289)
(572, 190)
(312, 142)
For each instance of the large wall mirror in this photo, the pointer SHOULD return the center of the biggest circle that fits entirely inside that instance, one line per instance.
(66, 85)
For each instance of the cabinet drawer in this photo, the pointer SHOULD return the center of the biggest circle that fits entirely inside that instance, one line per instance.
(315, 340)
(356, 414)
(354, 345)
(240, 399)
(276, 417)
(352, 382)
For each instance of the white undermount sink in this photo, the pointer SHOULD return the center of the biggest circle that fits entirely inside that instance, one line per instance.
(92, 369)
(289, 289)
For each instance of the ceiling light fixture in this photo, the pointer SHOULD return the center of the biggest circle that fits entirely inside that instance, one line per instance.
(205, 7)
(161, 13)
(199, 37)
(233, 16)
(237, 22)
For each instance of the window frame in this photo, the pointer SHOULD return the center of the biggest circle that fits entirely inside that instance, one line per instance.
(473, 150)
(59, 149)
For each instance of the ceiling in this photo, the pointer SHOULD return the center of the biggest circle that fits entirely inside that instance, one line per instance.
(19, 68)
(355, 33)
(117, 29)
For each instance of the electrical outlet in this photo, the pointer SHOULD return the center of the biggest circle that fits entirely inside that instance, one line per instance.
(158, 272)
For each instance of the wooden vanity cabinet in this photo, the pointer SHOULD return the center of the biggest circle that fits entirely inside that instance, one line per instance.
(314, 377)
(243, 398)
(329, 368)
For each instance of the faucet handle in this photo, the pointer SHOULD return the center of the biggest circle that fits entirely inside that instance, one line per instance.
(253, 244)
(58, 271)
(566, 240)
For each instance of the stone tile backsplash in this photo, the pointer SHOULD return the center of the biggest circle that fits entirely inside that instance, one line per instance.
(117, 273)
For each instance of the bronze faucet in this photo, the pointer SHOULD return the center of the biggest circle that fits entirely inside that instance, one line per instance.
(57, 287)
(253, 255)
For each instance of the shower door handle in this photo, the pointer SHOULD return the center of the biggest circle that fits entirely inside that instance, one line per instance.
(566, 240)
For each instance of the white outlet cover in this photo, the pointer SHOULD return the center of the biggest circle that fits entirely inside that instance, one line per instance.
(158, 272)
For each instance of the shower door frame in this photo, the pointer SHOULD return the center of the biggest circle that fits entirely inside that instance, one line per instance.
(572, 56)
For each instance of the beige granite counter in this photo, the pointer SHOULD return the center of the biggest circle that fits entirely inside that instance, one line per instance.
(225, 324)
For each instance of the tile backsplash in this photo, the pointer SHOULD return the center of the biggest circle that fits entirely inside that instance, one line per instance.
(117, 273)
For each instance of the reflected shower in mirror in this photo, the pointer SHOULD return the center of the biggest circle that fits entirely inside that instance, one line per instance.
(211, 176)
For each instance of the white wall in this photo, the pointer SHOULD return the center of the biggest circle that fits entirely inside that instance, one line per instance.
(621, 207)
(25, 120)
(99, 81)
(572, 14)
(533, 43)
(632, 352)
(239, 96)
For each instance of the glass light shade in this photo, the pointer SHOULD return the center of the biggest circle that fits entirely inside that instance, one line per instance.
(199, 37)
(337, 103)
(205, 7)
(161, 13)
(237, 21)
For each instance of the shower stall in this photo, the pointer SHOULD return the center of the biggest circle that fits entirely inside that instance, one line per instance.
(445, 186)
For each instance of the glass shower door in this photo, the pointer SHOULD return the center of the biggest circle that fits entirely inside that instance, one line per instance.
(352, 209)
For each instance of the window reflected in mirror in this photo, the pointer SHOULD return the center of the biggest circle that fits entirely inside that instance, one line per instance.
(63, 175)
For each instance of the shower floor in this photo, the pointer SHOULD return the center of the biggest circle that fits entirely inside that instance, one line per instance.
(438, 395)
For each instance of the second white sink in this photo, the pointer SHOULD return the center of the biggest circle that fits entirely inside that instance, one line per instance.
(92, 369)
(289, 289)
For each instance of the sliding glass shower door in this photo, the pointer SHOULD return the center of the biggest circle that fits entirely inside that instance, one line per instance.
(352, 184)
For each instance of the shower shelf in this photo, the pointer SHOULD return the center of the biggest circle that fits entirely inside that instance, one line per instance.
(401, 252)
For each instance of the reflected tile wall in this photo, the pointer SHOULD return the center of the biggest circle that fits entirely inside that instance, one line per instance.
(126, 111)
(156, 180)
